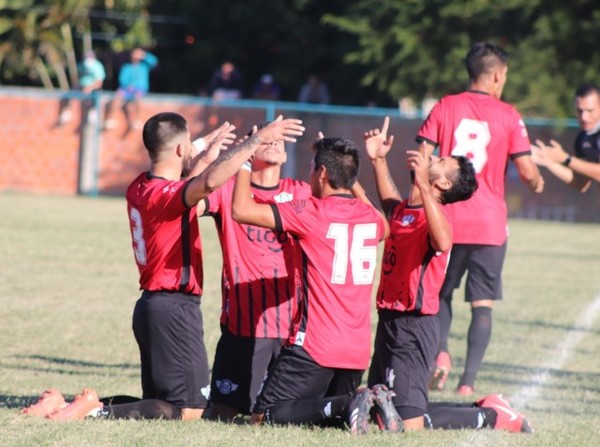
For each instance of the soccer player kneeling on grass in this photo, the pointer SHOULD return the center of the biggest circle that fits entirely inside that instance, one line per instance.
(413, 270)
(315, 377)
(167, 321)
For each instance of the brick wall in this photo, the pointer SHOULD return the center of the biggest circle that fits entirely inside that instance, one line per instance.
(38, 156)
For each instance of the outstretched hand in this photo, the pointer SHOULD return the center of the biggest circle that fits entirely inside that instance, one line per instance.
(419, 164)
(543, 154)
(218, 140)
(377, 141)
(281, 130)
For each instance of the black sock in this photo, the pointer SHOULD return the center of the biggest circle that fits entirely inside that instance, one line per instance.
(456, 417)
(119, 399)
(478, 340)
(445, 318)
(142, 409)
(309, 411)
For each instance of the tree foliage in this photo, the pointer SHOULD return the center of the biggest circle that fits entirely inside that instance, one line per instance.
(366, 50)
(416, 48)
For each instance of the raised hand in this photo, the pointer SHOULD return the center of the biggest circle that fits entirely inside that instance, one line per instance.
(281, 129)
(218, 140)
(419, 163)
(377, 141)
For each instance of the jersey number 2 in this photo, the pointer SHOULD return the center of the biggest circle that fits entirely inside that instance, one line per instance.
(362, 258)
(472, 138)
(137, 233)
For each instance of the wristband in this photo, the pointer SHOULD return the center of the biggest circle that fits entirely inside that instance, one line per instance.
(567, 161)
(247, 166)
(199, 144)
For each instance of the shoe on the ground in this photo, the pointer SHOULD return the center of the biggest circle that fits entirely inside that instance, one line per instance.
(507, 417)
(49, 402)
(384, 412)
(443, 364)
(359, 409)
(84, 404)
(465, 390)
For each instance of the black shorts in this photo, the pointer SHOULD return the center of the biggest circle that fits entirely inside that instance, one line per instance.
(484, 264)
(295, 375)
(405, 348)
(240, 367)
(168, 329)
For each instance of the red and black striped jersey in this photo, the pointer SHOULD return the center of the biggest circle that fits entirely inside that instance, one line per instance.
(260, 281)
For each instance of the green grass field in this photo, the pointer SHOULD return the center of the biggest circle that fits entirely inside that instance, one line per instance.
(68, 284)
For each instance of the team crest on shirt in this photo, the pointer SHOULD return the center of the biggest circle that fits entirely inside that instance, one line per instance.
(169, 189)
(226, 386)
(284, 197)
(407, 220)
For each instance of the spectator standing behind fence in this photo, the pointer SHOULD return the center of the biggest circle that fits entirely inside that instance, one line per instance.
(266, 89)
(314, 91)
(134, 82)
(91, 77)
(226, 82)
(578, 170)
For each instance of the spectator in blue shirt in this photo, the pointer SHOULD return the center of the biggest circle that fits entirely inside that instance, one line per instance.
(134, 82)
(91, 77)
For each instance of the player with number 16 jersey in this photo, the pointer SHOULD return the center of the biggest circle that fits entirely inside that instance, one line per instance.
(339, 236)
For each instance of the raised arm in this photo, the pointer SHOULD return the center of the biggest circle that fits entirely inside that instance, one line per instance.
(229, 162)
(540, 156)
(210, 146)
(440, 230)
(360, 194)
(378, 144)
(244, 209)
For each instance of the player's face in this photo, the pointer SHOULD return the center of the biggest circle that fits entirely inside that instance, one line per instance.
(441, 168)
(587, 109)
(271, 153)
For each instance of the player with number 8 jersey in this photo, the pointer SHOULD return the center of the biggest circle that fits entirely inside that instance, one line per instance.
(479, 125)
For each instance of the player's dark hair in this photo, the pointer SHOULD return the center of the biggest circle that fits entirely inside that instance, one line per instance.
(340, 157)
(587, 89)
(160, 129)
(464, 182)
(484, 57)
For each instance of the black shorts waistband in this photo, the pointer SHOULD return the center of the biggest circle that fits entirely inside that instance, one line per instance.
(149, 294)
(388, 314)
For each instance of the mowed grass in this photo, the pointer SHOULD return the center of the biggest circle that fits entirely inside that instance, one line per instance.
(68, 284)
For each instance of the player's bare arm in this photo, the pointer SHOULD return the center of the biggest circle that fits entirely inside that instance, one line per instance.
(540, 156)
(583, 167)
(359, 192)
(244, 209)
(210, 146)
(229, 162)
(440, 230)
(529, 173)
(378, 145)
